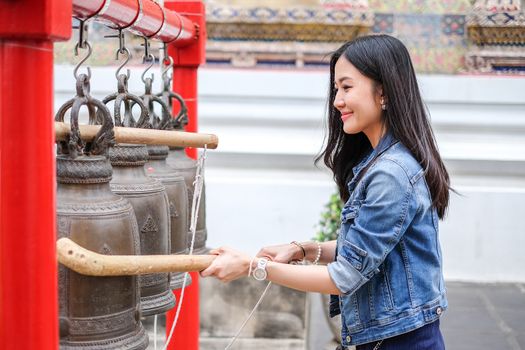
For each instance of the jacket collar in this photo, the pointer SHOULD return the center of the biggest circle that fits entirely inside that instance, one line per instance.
(387, 141)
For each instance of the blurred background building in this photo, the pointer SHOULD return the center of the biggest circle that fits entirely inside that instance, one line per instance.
(263, 92)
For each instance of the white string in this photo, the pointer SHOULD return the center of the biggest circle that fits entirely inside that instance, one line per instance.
(249, 316)
(234, 338)
(195, 204)
(198, 185)
(155, 332)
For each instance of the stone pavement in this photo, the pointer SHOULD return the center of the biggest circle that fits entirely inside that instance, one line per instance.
(479, 317)
(485, 316)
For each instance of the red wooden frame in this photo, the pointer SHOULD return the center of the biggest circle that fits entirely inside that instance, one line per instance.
(28, 265)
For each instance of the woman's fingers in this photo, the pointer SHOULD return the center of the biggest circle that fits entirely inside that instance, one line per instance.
(282, 253)
(209, 271)
(268, 252)
(229, 265)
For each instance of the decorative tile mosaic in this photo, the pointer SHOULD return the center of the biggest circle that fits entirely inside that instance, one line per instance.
(448, 60)
(420, 6)
(453, 24)
(355, 4)
(383, 23)
(436, 32)
(497, 5)
(497, 30)
(297, 14)
(436, 42)
(418, 30)
(334, 21)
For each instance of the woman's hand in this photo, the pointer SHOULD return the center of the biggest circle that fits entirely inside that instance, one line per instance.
(229, 265)
(282, 253)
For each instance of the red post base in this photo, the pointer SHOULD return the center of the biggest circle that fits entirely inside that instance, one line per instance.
(186, 334)
(28, 267)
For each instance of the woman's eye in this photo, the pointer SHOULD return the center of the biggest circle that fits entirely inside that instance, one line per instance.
(346, 87)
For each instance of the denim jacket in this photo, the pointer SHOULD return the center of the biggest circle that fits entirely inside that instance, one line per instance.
(388, 259)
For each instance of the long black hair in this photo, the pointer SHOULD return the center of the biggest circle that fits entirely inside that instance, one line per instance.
(386, 61)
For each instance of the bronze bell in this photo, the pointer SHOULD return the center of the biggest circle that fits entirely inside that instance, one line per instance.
(150, 202)
(95, 312)
(187, 168)
(147, 197)
(174, 183)
(178, 206)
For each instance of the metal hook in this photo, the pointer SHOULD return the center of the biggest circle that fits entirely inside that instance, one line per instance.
(146, 47)
(150, 58)
(126, 50)
(121, 39)
(166, 68)
(90, 50)
(82, 33)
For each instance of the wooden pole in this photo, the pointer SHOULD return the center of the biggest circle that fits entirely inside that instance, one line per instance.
(89, 263)
(143, 136)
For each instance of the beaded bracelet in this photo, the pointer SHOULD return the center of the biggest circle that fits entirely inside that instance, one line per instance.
(316, 261)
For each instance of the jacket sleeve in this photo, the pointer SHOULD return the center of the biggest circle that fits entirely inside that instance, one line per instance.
(370, 231)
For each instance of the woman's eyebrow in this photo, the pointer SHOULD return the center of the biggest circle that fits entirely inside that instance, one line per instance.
(340, 80)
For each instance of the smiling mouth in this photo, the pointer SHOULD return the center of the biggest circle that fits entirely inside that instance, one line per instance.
(345, 116)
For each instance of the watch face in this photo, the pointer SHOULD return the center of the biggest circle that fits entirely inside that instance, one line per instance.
(259, 274)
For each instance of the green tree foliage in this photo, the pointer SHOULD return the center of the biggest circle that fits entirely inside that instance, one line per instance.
(330, 222)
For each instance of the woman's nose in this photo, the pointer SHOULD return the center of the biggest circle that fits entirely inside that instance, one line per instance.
(338, 102)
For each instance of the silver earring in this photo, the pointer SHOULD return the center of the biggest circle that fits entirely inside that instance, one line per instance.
(383, 104)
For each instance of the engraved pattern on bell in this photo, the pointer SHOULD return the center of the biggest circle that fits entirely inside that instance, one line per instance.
(98, 312)
(173, 210)
(177, 194)
(94, 312)
(150, 202)
(83, 170)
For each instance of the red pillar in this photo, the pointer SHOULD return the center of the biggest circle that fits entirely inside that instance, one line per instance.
(186, 62)
(28, 266)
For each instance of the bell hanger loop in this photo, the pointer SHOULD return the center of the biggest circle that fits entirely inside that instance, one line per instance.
(82, 44)
(166, 67)
(128, 57)
(151, 60)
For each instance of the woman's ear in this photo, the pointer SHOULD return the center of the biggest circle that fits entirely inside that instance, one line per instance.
(379, 90)
(381, 97)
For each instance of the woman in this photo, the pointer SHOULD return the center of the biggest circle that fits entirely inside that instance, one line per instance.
(384, 272)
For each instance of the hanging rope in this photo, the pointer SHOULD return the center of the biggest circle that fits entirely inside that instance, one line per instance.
(234, 338)
(197, 194)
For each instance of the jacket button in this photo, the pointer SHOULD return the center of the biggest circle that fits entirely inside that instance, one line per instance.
(439, 311)
(348, 338)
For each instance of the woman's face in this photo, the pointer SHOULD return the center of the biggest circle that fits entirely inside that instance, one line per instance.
(358, 98)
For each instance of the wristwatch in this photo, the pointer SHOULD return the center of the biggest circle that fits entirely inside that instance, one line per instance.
(260, 273)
